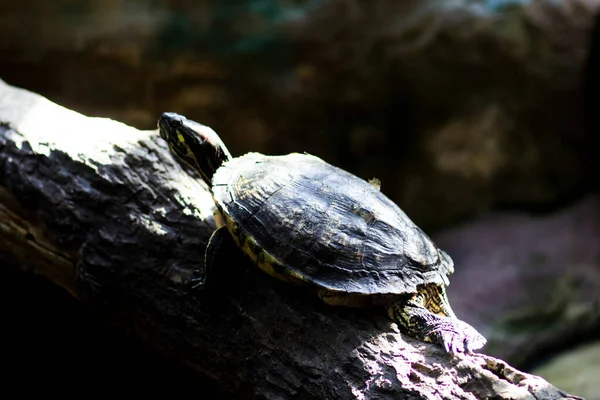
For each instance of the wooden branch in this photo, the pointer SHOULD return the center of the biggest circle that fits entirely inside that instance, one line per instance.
(104, 211)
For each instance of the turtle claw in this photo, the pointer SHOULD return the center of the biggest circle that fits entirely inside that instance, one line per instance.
(447, 347)
(457, 336)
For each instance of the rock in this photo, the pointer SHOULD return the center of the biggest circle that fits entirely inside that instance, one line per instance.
(576, 370)
(456, 106)
(103, 211)
(530, 284)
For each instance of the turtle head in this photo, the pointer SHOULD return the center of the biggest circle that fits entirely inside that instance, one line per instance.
(195, 144)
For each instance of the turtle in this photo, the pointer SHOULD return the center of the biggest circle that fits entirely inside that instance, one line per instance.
(305, 221)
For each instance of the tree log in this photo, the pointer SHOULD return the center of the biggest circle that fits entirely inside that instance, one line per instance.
(104, 211)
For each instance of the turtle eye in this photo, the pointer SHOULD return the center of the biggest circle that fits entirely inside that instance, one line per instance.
(175, 123)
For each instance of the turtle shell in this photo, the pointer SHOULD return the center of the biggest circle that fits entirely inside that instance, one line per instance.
(326, 226)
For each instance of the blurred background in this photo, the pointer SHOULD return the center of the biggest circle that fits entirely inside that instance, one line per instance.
(477, 116)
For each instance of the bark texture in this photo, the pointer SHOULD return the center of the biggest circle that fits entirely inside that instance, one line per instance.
(104, 211)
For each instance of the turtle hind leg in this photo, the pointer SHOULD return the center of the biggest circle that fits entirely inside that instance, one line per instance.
(416, 320)
(434, 298)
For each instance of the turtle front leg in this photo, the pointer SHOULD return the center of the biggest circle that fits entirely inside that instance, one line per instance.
(219, 240)
(416, 320)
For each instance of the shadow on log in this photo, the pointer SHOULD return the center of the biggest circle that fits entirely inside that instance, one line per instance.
(104, 211)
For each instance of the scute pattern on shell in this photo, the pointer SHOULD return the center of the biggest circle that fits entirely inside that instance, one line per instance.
(330, 227)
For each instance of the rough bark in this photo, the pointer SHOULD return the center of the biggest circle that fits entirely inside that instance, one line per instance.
(470, 104)
(104, 211)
